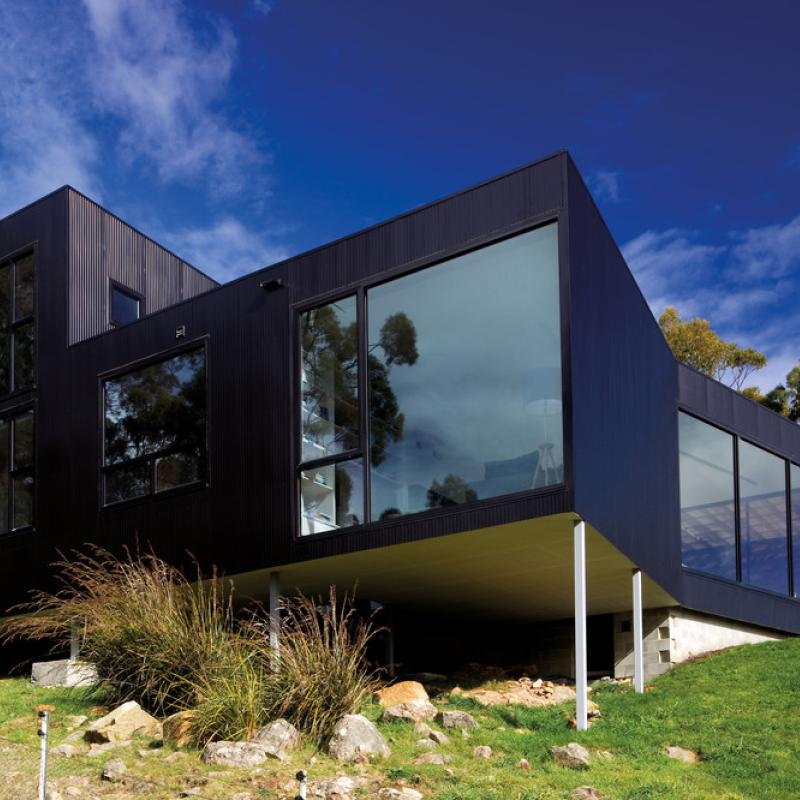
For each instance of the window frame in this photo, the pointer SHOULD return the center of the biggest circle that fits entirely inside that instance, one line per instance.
(204, 482)
(10, 260)
(8, 415)
(360, 288)
(788, 463)
(116, 286)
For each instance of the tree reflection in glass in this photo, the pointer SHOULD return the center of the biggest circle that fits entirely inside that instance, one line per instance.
(157, 413)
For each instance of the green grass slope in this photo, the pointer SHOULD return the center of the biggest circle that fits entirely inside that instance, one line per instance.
(740, 710)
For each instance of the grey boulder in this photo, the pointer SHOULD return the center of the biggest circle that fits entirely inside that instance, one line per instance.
(354, 738)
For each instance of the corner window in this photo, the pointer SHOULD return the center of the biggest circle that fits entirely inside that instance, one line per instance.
(17, 323)
(708, 505)
(125, 306)
(450, 394)
(16, 472)
(154, 428)
(762, 513)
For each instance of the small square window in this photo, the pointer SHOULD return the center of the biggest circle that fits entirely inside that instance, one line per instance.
(125, 306)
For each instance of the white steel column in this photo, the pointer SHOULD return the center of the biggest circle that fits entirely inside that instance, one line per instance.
(581, 720)
(274, 610)
(638, 640)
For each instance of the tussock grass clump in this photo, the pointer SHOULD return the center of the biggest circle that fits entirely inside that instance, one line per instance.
(144, 625)
(172, 644)
(321, 673)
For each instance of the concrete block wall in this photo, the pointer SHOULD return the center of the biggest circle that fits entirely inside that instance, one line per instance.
(673, 635)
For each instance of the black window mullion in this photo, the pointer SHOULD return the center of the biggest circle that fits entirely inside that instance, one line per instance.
(363, 400)
(737, 504)
(789, 532)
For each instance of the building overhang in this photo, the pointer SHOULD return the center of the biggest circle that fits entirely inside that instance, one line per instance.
(518, 572)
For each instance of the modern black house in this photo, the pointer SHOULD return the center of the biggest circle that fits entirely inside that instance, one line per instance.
(468, 410)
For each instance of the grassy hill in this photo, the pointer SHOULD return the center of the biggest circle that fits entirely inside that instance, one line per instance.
(739, 709)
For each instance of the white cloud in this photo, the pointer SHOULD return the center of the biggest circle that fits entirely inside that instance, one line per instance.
(605, 186)
(768, 252)
(44, 142)
(225, 249)
(262, 6)
(743, 286)
(164, 81)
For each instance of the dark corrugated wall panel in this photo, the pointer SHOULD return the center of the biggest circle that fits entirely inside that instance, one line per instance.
(101, 247)
(729, 409)
(624, 389)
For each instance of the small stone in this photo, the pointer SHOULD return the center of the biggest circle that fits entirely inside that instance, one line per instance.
(414, 710)
(402, 692)
(427, 743)
(342, 787)
(277, 738)
(66, 750)
(404, 793)
(433, 758)
(191, 792)
(439, 737)
(586, 793)
(354, 736)
(52, 794)
(100, 749)
(523, 763)
(456, 719)
(572, 755)
(73, 791)
(482, 751)
(681, 754)
(75, 721)
(604, 754)
(422, 728)
(114, 770)
(465, 734)
(234, 754)
(178, 728)
(144, 752)
(122, 724)
(449, 772)
(172, 758)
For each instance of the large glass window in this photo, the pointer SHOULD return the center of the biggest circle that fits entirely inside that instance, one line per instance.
(794, 482)
(762, 518)
(331, 495)
(155, 427)
(16, 323)
(465, 378)
(462, 373)
(16, 471)
(708, 508)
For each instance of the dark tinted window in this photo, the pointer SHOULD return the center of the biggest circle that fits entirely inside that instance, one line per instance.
(16, 471)
(794, 482)
(16, 323)
(708, 511)
(762, 515)
(125, 306)
(464, 365)
(155, 427)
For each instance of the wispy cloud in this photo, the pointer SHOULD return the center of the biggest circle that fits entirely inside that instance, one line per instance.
(44, 142)
(605, 186)
(744, 284)
(262, 6)
(163, 80)
(225, 249)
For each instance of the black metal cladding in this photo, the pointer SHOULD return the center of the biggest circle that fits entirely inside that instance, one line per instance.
(621, 391)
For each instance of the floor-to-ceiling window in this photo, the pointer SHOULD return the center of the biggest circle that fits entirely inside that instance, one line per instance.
(437, 388)
(762, 514)
(707, 493)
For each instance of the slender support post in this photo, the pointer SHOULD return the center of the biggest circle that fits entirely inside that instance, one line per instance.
(581, 719)
(274, 610)
(638, 639)
(44, 729)
(74, 643)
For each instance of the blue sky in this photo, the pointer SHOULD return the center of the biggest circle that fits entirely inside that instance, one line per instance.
(243, 131)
